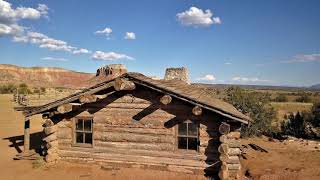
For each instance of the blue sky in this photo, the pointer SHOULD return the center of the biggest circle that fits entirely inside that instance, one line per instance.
(241, 42)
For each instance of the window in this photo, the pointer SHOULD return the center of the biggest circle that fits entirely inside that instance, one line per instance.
(188, 136)
(83, 131)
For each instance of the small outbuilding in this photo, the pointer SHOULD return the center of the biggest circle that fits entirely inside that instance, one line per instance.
(132, 120)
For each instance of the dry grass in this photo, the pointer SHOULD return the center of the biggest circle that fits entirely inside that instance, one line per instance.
(287, 107)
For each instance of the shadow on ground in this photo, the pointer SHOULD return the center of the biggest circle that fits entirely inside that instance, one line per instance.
(35, 141)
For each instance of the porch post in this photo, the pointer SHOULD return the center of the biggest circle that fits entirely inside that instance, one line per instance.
(26, 141)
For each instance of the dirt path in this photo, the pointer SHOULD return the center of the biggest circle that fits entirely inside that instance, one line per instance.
(288, 160)
(11, 128)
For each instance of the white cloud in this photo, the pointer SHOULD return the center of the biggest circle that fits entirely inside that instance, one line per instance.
(54, 59)
(130, 35)
(197, 18)
(249, 79)
(20, 39)
(227, 63)
(107, 31)
(109, 56)
(9, 17)
(208, 77)
(49, 43)
(43, 10)
(81, 51)
(304, 58)
(46, 42)
(12, 29)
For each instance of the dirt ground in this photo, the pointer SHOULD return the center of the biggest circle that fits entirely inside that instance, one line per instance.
(287, 160)
(292, 160)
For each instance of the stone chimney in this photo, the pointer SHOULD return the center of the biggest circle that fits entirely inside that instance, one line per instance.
(180, 73)
(111, 71)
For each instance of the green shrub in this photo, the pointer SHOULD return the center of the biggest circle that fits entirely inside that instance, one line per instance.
(303, 125)
(304, 98)
(8, 89)
(43, 89)
(281, 98)
(257, 106)
(23, 89)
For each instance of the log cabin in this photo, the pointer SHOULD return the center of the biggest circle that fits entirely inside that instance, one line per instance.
(132, 120)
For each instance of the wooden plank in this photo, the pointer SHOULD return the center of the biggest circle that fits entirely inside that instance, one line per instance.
(26, 142)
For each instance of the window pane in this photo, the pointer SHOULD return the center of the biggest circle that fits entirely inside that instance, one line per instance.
(182, 129)
(182, 143)
(87, 125)
(79, 125)
(79, 137)
(192, 143)
(88, 138)
(192, 129)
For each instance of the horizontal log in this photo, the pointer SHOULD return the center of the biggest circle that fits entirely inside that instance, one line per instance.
(226, 166)
(50, 129)
(234, 151)
(197, 110)
(130, 137)
(233, 135)
(107, 157)
(137, 130)
(137, 146)
(121, 84)
(166, 99)
(140, 152)
(50, 138)
(53, 150)
(229, 159)
(52, 158)
(48, 123)
(225, 149)
(231, 142)
(52, 144)
(224, 128)
(64, 133)
(64, 108)
(88, 98)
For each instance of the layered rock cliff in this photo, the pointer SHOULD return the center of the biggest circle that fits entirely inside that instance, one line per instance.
(43, 76)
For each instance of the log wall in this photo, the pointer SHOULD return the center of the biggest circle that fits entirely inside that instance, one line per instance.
(138, 130)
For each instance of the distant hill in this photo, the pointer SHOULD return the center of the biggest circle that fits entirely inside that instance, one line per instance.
(315, 87)
(43, 76)
(260, 87)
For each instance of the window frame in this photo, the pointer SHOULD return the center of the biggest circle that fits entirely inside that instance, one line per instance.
(188, 136)
(75, 121)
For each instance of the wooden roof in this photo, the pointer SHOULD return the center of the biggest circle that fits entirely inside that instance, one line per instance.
(195, 95)
(177, 89)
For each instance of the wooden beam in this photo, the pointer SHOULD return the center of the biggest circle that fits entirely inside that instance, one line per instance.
(26, 142)
(64, 108)
(166, 99)
(121, 84)
(223, 113)
(197, 110)
(88, 98)
(224, 128)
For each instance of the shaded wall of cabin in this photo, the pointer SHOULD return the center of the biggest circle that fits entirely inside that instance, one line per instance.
(134, 129)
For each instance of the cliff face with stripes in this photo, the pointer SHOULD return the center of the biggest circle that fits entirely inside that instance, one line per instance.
(43, 77)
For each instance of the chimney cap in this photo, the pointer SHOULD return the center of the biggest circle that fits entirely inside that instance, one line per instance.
(177, 73)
